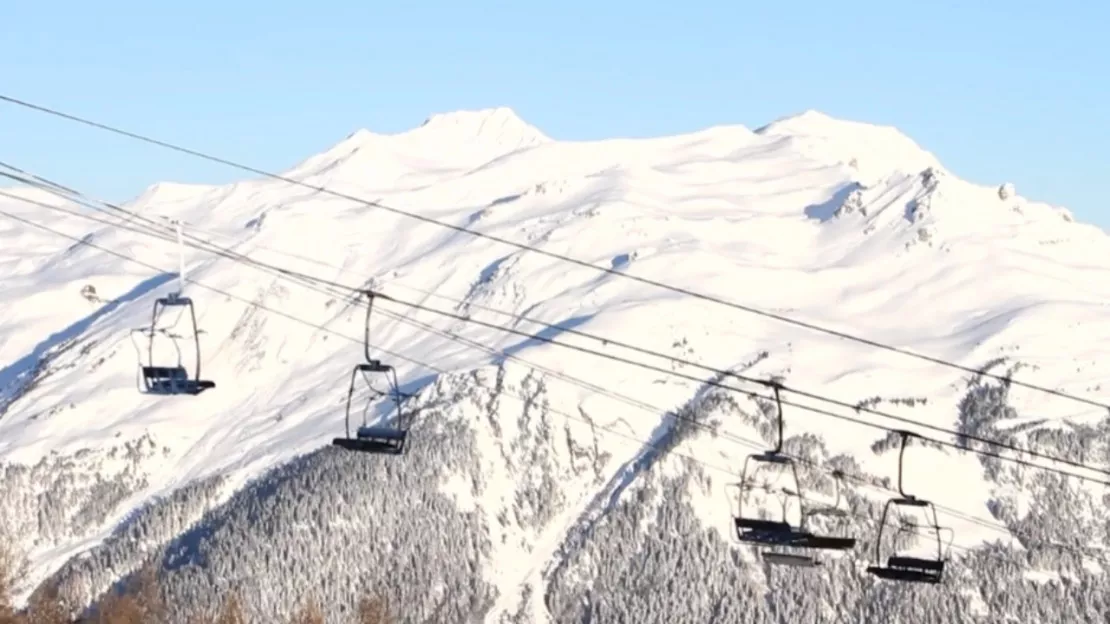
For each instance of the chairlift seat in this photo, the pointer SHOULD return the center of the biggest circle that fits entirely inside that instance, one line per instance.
(910, 569)
(915, 563)
(766, 532)
(382, 445)
(380, 433)
(387, 440)
(173, 380)
(188, 386)
(789, 559)
(823, 542)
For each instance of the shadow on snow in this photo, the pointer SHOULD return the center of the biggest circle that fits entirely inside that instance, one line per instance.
(14, 375)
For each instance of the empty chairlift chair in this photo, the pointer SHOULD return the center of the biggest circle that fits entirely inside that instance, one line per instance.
(174, 379)
(387, 439)
(775, 535)
(906, 568)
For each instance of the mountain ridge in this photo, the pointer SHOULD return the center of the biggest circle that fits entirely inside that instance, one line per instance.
(714, 208)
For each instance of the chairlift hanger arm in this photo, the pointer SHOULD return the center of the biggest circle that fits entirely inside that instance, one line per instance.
(905, 435)
(180, 257)
(951, 538)
(778, 408)
(366, 330)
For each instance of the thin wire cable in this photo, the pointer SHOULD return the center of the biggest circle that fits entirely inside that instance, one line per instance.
(247, 260)
(187, 279)
(670, 450)
(711, 298)
(77, 196)
(858, 408)
(653, 409)
(861, 480)
(751, 394)
(594, 426)
(323, 328)
(864, 481)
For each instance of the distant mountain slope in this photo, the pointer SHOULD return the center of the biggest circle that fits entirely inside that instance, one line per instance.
(528, 492)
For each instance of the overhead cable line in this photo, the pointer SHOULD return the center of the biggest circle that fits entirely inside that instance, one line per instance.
(706, 297)
(246, 259)
(710, 382)
(858, 408)
(328, 330)
(127, 258)
(860, 479)
(769, 384)
(593, 425)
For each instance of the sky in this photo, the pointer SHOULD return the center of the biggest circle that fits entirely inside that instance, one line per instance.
(1013, 91)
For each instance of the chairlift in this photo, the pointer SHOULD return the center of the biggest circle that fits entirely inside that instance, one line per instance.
(174, 379)
(903, 568)
(777, 534)
(383, 439)
(164, 379)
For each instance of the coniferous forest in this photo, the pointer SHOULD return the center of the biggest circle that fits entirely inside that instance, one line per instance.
(334, 536)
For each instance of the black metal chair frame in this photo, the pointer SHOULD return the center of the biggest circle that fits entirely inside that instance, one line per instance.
(909, 569)
(387, 439)
(174, 380)
(780, 533)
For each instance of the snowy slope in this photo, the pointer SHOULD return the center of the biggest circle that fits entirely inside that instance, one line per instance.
(842, 224)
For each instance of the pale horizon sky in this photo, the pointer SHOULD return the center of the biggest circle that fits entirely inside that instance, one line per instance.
(1016, 93)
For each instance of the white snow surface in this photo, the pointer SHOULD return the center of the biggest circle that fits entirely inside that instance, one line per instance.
(919, 259)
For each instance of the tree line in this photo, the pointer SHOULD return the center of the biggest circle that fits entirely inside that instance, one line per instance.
(140, 601)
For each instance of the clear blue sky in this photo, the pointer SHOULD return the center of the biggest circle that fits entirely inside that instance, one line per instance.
(1013, 91)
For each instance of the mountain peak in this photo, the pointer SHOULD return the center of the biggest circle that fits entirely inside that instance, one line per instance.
(461, 135)
(873, 150)
(813, 121)
(471, 116)
(809, 117)
(499, 124)
(526, 490)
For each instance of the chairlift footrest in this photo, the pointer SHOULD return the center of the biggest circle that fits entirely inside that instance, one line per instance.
(376, 446)
(914, 563)
(789, 559)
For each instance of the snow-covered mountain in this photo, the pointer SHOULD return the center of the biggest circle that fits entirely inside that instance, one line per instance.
(529, 492)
